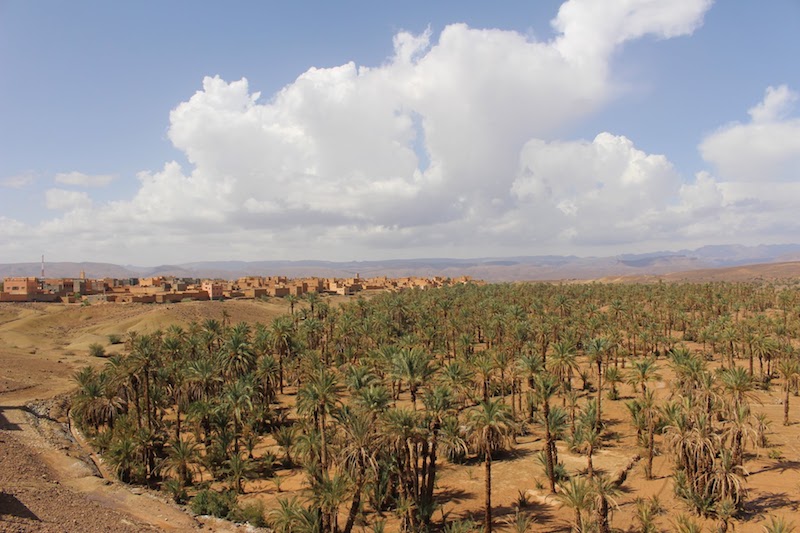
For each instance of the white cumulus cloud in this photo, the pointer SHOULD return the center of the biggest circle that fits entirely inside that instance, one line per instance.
(766, 149)
(450, 146)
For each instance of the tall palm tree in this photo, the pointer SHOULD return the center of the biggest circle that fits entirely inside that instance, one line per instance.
(650, 414)
(604, 490)
(576, 494)
(738, 385)
(789, 368)
(489, 427)
(401, 433)
(563, 362)
(267, 375)
(413, 366)
(643, 372)
(238, 400)
(546, 386)
(142, 360)
(318, 397)
(237, 355)
(596, 350)
(282, 333)
(459, 377)
(587, 439)
(358, 455)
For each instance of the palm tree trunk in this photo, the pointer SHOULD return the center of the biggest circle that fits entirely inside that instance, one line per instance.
(431, 471)
(137, 408)
(651, 431)
(323, 443)
(602, 516)
(598, 420)
(487, 514)
(549, 448)
(178, 420)
(280, 371)
(147, 398)
(786, 404)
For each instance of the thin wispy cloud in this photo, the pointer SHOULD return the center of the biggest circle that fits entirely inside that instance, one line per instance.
(83, 180)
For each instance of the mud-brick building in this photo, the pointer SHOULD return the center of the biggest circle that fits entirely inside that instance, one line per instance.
(24, 289)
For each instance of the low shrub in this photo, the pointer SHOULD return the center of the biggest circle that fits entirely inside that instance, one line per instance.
(252, 513)
(176, 491)
(97, 350)
(219, 504)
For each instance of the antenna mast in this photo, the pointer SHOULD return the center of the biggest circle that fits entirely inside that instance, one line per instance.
(42, 266)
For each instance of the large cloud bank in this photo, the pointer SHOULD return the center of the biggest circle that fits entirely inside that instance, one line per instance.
(451, 147)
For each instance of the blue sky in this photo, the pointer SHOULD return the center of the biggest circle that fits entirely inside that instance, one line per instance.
(129, 134)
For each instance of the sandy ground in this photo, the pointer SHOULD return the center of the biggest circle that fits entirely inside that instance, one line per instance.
(47, 482)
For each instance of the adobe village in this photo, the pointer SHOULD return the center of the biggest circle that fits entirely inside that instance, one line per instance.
(173, 290)
(638, 406)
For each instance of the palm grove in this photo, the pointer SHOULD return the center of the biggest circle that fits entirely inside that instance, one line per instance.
(368, 399)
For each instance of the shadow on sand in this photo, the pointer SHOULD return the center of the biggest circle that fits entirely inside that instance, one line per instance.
(10, 505)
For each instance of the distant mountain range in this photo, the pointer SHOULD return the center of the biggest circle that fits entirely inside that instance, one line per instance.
(548, 267)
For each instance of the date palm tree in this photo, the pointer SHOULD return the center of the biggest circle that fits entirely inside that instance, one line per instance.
(282, 334)
(789, 368)
(358, 455)
(238, 469)
(237, 355)
(596, 350)
(778, 524)
(317, 398)
(182, 460)
(546, 386)
(489, 427)
(285, 437)
(604, 492)
(563, 362)
(576, 494)
(291, 517)
(267, 376)
(642, 373)
(413, 366)
(238, 402)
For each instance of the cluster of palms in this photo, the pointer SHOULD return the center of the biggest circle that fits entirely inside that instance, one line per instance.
(379, 392)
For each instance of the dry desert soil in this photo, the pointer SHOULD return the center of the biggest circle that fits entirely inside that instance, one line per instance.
(48, 481)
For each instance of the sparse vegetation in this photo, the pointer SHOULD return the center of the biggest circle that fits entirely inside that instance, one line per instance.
(97, 350)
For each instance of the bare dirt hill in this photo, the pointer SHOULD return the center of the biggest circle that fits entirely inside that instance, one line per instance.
(737, 274)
